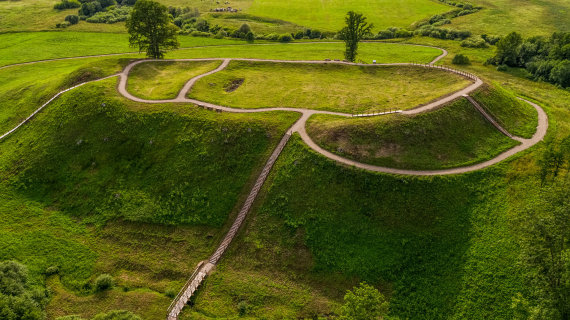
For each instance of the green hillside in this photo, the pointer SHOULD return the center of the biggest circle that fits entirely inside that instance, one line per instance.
(455, 135)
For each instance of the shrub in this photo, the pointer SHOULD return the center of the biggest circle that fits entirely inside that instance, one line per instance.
(52, 270)
(476, 42)
(200, 34)
(460, 59)
(104, 282)
(64, 24)
(244, 28)
(88, 9)
(299, 35)
(116, 315)
(560, 74)
(272, 36)
(73, 19)
(112, 16)
(67, 4)
(221, 34)
(490, 39)
(285, 38)
(442, 22)
(502, 67)
(249, 37)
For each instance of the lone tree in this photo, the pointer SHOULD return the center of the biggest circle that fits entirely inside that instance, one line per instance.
(356, 28)
(151, 29)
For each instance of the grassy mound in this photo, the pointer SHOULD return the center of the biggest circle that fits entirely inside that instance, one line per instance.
(155, 167)
(517, 117)
(90, 183)
(438, 247)
(455, 135)
(332, 87)
(25, 88)
(164, 79)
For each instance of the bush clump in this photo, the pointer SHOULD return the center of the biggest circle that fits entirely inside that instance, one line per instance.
(104, 282)
(67, 4)
(285, 38)
(475, 42)
(72, 19)
(62, 25)
(18, 299)
(546, 59)
(460, 59)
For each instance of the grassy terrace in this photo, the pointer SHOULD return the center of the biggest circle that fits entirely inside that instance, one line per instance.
(455, 135)
(140, 192)
(163, 80)
(325, 87)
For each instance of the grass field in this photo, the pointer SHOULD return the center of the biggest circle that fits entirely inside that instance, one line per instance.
(527, 17)
(455, 135)
(381, 52)
(163, 80)
(39, 15)
(325, 87)
(34, 46)
(330, 15)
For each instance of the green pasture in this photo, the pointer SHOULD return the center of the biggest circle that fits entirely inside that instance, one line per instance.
(163, 80)
(530, 18)
(330, 87)
(452, 136)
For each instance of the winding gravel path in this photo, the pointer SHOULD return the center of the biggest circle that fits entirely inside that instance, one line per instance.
(300, 125)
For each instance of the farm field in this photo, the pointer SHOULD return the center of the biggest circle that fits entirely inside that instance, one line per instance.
(113, 205)
(325, 87)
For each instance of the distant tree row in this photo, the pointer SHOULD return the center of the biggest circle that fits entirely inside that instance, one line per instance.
(546, 59)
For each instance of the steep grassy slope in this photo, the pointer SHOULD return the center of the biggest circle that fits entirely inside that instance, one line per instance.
(330, 87)
(24, 88)
(455, 135)
(164, 79)
(439, 248)
(518, 117)
(140, 167)
(82, 182)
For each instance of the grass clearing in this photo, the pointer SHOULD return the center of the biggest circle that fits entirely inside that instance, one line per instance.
(331, 87)
(164, 79)
(453, 136)
(530, 18)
